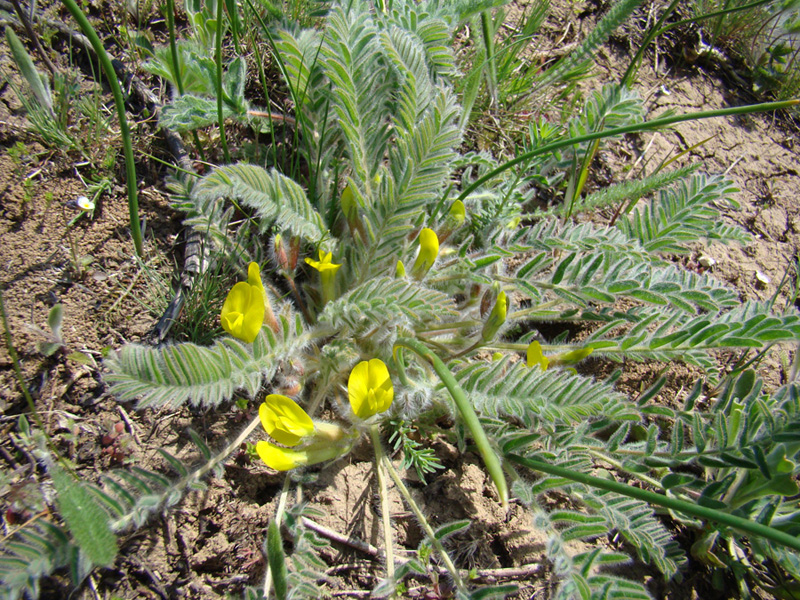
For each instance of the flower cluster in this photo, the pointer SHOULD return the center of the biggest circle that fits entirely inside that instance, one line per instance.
(307, 442)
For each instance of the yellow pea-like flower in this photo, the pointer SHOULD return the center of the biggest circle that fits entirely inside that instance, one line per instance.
(428, 251)
(285, 459)
(327, 273)
(534, 356)
(243, 311)
(284, 420)
(370, 388)
(280, 459)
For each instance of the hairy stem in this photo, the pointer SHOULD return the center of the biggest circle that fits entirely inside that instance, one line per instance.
(380, 462)
(451, 568)
(122, 522)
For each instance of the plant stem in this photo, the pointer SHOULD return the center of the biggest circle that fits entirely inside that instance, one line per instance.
(173, 48)
(681, 506)
(123, 521)
(451, 568)
(645, 126)
(487, 31)
(380, 462)
(218, 59)
(467, 411)
(278, 517)
(12, 352)
(119, 101)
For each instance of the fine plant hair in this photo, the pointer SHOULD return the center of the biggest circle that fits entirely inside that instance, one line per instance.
(380, 126)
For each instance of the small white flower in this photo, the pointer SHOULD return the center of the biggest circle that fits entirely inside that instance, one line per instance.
(84, 203)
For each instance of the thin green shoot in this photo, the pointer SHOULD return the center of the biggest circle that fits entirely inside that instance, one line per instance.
(644, 126)
(218, 59)
(119, 101)
(688, 508)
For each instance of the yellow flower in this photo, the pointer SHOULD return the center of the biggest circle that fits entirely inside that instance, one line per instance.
(496, 318)
(327, 273)
(280, 459)
(457, 212)
(243, 312)
(284, 459)
(370, 388)
(428, 251)
(325, 263)
(534, 356)
(400, 270)
(284, 420)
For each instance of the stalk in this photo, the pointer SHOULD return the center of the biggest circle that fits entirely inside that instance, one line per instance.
(218, 59)
(12, 352)
(173, 47)
(681, 506)
(467, 411)
(119, 101)
(380, 462)
(451, 568)
(645, 126)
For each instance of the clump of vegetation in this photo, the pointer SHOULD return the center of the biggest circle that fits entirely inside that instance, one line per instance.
(382, 264)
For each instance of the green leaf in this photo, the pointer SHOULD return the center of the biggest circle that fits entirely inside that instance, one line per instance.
(37, 83)
(55, 318)
(87, 522)
(189, 112)
(277, 560)
(449, 529)
(558, 274)
(675, 480)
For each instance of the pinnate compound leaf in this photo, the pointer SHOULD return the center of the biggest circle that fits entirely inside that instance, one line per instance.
(387, 300)
(275, 198)
(204, 376)
(87, 522)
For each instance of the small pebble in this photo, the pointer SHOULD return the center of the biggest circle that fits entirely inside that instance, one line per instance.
(762, 278)
(706, 261)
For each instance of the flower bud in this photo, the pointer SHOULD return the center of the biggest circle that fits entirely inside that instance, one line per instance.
(294, 252)
(570, 358)
(428, 251)
(281, 256)
(455, 219)
(457, 212)
(496, 318)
